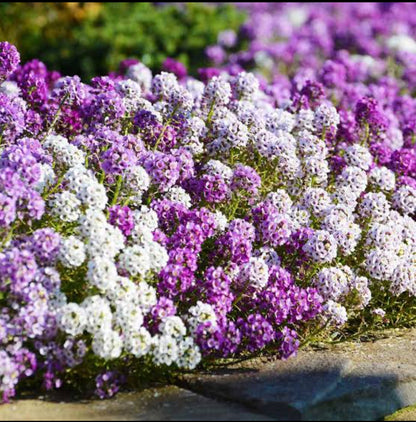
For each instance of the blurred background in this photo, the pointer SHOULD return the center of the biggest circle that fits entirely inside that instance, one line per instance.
(90, 39)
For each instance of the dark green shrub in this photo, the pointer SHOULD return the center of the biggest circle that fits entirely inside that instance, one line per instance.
(90, 39)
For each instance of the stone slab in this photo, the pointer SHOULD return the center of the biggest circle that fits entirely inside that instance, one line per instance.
(354, 381)
(406, 414)
(167, 403)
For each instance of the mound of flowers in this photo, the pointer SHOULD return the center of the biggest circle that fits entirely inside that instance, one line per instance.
(151, 222)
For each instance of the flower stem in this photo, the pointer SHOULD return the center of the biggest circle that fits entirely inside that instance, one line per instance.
(117, 191)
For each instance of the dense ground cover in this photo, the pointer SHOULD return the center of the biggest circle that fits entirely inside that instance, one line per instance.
(158, 222)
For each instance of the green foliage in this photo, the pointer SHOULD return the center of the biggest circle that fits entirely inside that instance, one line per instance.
(90, 39)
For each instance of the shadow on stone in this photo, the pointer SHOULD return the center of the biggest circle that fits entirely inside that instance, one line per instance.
(315, 387)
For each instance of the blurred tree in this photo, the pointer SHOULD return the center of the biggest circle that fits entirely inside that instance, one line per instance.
(90, 39)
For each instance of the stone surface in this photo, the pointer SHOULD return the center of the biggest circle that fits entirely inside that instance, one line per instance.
(167, 403)
(356, 381)
(351, 381)
(406, 414)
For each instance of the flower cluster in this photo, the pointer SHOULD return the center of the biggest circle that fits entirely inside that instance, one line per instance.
(161, 220)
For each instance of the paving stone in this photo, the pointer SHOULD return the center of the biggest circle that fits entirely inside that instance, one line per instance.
(167, 403)
(406, 414)
(356, 381)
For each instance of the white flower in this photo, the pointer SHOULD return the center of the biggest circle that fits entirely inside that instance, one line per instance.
(99, 315)
(332, 283)
(136, 180)
(179, 195)
(71, 319)
(123, 290)
(383, 178)
(326, 116)
(280, 120)
(201, 313)
(402, 42)
(384, 236)
(146, 296)
(138, 342)
(316, 169)
(217, 167)
(317, 201)
(374, 206)
(337, 217)
(335, 313)
(165, 350)
(311, 145)
(63, 151)
(189, 354)
(347, 237)
(321, 246)
(380, 263)
(345, 196)
(93, 194)
(405, 199)
(158, 255)
(10, 88)
(246, 85)
(72, 252)
(280, 200)
(107, 344)
(268, 255)
(47, 177)
(131, 92)
(163, 84)
(354, 178)
(135, 260)
(66, 206)
(128, 316)
(359, 156)
(360, 284)
(403, 279)
(304, 119)
(220, 221)
(255, 273)
(299, 217)
(146, 217)
(217, 91)
(140, 74)
(102, 273)
(173, 326)
(102, 239)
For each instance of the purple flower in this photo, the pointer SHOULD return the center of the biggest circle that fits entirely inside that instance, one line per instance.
(163, 169)
(122, 217)
(108, 384)
(17, 267)
(289, 342)
(116, 159)
(212, 188)
(245, 178)
(12, 117)
(272, 227)
(403, 161)
(256, 331)
(45, 244)
(7, 210)
(9, 59)
(367, 111)
(173, 66)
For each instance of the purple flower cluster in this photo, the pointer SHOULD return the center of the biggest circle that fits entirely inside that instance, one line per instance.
(164, 219)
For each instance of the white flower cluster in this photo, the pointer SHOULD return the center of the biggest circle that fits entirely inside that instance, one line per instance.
(114, 315)
(63, 151)
(255, 273)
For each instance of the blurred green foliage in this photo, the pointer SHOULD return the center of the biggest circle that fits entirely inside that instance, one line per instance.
(90, 39)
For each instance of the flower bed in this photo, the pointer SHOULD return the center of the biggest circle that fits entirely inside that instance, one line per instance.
(154, 222)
